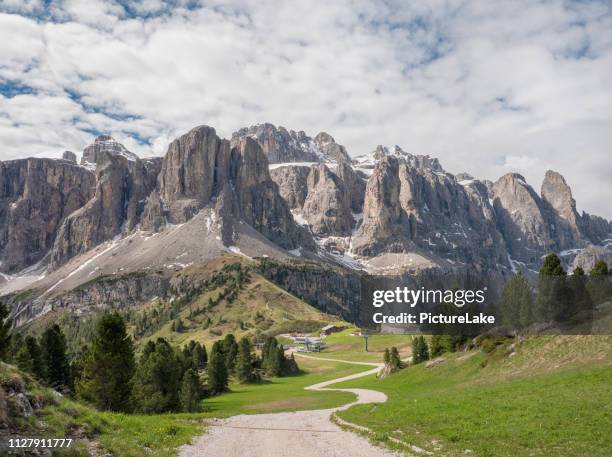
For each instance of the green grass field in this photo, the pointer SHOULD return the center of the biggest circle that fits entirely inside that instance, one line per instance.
(553, 398)
(343, 346)
(134, 435)
(284, 394)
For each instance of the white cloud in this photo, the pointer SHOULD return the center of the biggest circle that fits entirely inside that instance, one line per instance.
(488, 87)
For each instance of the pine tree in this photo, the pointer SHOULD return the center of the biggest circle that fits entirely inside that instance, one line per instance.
(583, 304)
(5, 331)
(230, 349)
(552, 266)
(29, 357)
(599, 283)
(55, 360)
(420, 350)
(516, 303)
(554, 295)
(387, 357)
(190, 391)
(107, 370)
(394, 359)
(158, 378)
(599, 269)
(272, 357)
(217, 371)
(244, 361)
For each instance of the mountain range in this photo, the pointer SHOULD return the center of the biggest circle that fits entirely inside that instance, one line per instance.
(275, 193)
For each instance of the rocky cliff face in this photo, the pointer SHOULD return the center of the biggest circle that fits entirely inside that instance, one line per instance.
(122, 183)
(412, 204)
(36, 195)
(201, 169)
(389, 203)
(281, 145)
(102, 293)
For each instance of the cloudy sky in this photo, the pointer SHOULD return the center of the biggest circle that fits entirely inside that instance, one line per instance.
(489, 87)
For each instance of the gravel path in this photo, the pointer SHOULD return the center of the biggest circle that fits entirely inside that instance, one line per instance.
(293, 434)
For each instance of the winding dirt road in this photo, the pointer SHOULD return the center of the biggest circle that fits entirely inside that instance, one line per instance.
(293, 434)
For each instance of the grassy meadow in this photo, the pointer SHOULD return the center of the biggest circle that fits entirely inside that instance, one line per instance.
(552, 398)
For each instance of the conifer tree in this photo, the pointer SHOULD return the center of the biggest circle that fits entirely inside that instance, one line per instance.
(583, 304)
(244, 361)
(190, 391)
(272, 357)
(600, 286)
(554, 295)
(420, 350)
(106, 372)
(158, 378)
(55, 360)
(394, 359)
(29, 357)
(516, 303)
(387, 357)
(599, 269)
(5, 331)
(217, 371)
(230, 349)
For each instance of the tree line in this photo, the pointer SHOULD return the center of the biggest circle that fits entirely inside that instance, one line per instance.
(107, 374)
(557, 298)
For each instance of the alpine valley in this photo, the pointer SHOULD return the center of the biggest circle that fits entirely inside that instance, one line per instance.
(116, 230)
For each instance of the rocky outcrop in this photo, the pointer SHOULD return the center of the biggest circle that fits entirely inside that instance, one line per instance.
(327, 208)
(565, 221)
(292, 184)
(199, 168)
(281, 145)
(522, 219)
(409, 204)
(103, 148)
(36, 195)
(354, 182)
(329, 150)
(332, 290)
(191, 171)
(588, 256)
(123, 182)
(69, 156)
(101, 293)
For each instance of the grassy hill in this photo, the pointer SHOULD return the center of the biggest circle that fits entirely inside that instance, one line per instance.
(551, 398)
(205, 302)
(236, 299)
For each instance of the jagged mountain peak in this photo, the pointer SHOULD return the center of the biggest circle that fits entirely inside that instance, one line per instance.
(424, 162)
(282, 145)
(103, 148)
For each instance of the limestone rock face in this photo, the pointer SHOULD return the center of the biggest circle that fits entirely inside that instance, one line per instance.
(69, 156)
(123, 182)
(587, 258)
(327, 207)
(385, 225)
(259, 201)
(281, 145)
(522, 218)
(329, 150)
(412, 206)
(36, 195)
(188, 172)
(292, 184)
(595, 228)
(199, 167)
(565, 219)
(102, 149)
(354, 182)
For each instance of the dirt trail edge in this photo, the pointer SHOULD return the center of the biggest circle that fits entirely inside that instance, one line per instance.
(292, 434)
